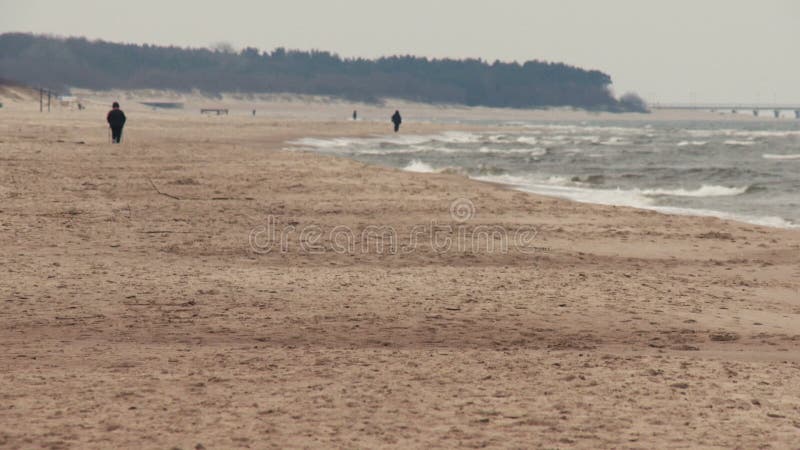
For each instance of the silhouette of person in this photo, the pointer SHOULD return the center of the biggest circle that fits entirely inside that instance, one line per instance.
(397, 120)
(355, 115)
(116, 120)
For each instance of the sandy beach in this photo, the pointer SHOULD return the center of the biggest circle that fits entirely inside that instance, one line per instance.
(144, 304)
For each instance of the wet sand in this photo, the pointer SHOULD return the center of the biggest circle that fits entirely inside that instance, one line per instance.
(143, 306)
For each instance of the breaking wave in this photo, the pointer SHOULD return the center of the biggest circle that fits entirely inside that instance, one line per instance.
(703, 191)
(419, 167)
(780, 157)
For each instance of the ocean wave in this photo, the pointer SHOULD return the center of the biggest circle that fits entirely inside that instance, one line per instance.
(692, 143)
(325, 143)
(703, 191)
(594, 140)
(396, 140)
(780, 157)
(589, 179)
(362, 144)
(557, 180)
(614, 140)
(631, 198)
(767, 221)
(558, 186)
(501, 138)
(705, 133)
(482, 170)
(485, 169)
(764, 133)
(742, 133)
(385, 151)
(530, 140)
(419, 167)
(584, 128)
(738, 143)
(458, 137)
(535, 151)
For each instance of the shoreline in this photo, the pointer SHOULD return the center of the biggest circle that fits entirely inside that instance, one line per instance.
(763, 221)
(157, 320)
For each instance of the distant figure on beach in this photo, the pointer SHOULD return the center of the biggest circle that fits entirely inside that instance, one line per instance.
(254, 113)
(355, 115)
(397, 120)
(116, 120)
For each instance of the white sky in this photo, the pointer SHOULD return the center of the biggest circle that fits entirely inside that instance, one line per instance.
(666, 50)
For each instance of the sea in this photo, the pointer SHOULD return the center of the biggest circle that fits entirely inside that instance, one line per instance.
(742, 170)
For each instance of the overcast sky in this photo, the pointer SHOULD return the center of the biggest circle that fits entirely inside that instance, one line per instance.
(667, 51)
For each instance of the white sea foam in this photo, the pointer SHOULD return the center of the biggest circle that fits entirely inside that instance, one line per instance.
(780, 157)
(704, 191)
(742, 133)
(531, 140)
(458, 137)
(735, 142)
(419, 166)
(767, 221)
(692, 143)
(501, 138)
(559, 186)
(622, 197)
(385, 151)
(557, 180)
(592, 139)
(764, 133)
(325, 143)
(615, 140)
(535, 151)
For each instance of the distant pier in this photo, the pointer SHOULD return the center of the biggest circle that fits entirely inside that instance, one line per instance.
(734, 108)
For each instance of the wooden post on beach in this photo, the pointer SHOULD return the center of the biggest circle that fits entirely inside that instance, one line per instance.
(41, 95)
(48, 100)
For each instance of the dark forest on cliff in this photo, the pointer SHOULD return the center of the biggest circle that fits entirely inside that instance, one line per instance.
(61, 63)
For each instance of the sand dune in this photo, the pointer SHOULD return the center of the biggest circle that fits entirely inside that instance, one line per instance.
(142, 308)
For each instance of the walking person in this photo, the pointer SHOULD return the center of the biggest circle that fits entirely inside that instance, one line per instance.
(116, 120)
(397, 120)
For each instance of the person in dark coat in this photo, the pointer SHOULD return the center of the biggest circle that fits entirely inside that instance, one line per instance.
(397, 120)
(116, 120)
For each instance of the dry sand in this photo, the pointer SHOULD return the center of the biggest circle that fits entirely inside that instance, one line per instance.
(136, 313)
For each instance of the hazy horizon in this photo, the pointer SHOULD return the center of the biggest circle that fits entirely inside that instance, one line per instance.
(680, 52)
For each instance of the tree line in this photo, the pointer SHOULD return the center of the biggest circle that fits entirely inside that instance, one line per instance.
(94, 64)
